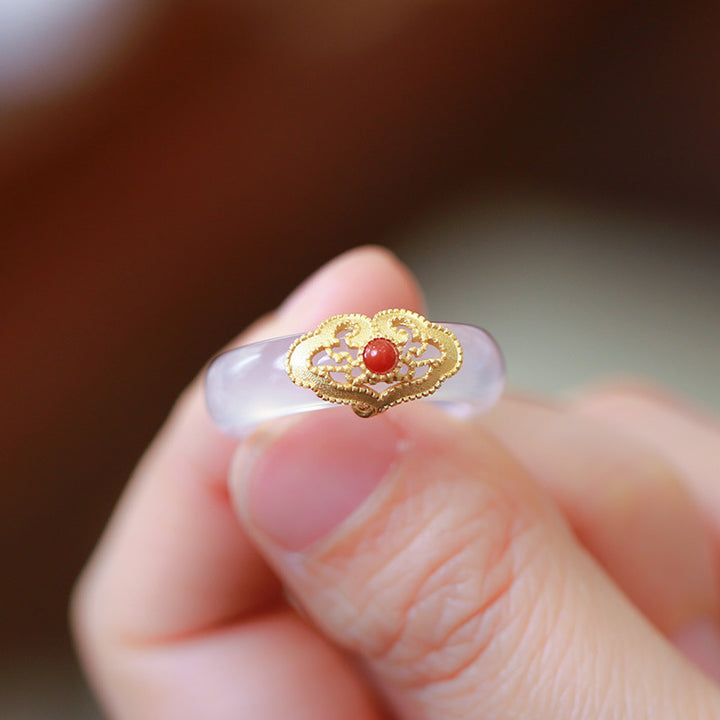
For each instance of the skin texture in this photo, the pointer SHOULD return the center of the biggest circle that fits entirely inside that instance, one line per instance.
(515, 566)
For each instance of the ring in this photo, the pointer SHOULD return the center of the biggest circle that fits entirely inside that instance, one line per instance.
(370, 364)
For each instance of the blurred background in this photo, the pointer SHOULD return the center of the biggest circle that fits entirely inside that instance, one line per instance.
(170, 170)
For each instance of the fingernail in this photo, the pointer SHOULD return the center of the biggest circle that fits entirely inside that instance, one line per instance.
(304, 483)
(700, 642)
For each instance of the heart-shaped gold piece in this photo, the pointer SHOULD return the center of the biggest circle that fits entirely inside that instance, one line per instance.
(374, 363)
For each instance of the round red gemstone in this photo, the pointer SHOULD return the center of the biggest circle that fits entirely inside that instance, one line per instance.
(380, 356)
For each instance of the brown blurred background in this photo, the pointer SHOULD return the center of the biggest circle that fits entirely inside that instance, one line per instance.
(170, 170)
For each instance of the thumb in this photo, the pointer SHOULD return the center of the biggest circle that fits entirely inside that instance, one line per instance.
(417, 543)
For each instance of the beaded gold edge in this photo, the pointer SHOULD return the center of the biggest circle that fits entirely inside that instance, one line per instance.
(412, 336)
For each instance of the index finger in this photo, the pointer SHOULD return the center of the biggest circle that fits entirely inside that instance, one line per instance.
(174, 560)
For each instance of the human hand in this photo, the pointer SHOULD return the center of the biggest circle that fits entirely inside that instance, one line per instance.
(434, 561)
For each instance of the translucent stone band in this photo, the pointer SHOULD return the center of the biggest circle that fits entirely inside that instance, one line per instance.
(249, 385)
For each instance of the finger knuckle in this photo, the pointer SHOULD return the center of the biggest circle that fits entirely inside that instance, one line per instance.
(632, 481)
(454, 595)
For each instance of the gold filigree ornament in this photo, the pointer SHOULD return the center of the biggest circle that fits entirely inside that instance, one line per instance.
(374, 363)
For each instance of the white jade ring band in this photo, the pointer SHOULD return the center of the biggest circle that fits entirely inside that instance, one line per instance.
(368, 363)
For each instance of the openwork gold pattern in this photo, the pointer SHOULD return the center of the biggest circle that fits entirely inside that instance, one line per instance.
(329, 360)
